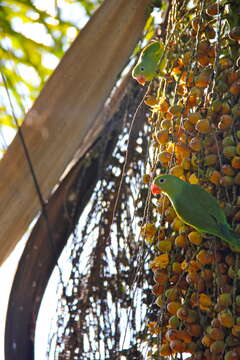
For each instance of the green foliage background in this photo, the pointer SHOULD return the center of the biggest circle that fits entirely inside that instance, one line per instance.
(27, 63)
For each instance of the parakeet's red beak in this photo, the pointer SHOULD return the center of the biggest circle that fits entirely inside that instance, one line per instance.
(140, 79)
(155, 189)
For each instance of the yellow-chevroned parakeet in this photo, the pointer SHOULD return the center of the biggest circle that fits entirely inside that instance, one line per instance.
(151, 63)
(196, 207)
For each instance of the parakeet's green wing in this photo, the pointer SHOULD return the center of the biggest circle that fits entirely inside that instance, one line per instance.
(151, 50)
(189, 206)
(207, 201)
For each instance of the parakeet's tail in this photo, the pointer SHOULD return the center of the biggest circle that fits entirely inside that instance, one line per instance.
(231, 238)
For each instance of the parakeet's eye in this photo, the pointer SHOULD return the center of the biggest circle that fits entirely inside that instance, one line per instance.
(142, 68)
(162, 181)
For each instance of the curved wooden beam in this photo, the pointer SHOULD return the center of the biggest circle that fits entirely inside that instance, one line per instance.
(65, 111)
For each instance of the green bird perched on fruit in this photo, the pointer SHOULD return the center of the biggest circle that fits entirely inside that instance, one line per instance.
(197, 208)
(151, 63)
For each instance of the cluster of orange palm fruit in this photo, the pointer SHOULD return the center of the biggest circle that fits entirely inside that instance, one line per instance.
(196, 136)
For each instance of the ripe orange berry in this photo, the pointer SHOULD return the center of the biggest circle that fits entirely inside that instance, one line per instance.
(235, 162)
(192, 101)
(225, 122)
(176, 70)
(216, 106)
(173, 306)
(192, 278)
(160, 277)
(207, 274)
(146, 178)
(168, 115)
(206, 341)
(182, 313)
(194, 329)
(225, 108)
(193, 179)
(212, 9)
(182, 151)
(227, 170)
(215, 177)
(181, 89)
(164, 157)
(166, 124)
(148, 230)
(150, 100)
(195, 143)
(188, 126)
(194, 117)
(176, 171)
(176, 267)
(205, 257)
(163, 106)
(216, 333)
(162, 136)
(203, 60)
(205, 301)
(181, 241)
(184, 336)
(235, 88)
(226, 318)
(236, 330)
(196, 91)
(203, 126)
(164, 245)
(225, 63)
(232, 77)
(176, 110)
(177, 346)
(195, 238)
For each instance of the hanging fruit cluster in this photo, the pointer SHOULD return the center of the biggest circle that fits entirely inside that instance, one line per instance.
(195, 120)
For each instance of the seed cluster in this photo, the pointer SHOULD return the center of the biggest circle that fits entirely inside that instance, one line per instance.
(195, 120)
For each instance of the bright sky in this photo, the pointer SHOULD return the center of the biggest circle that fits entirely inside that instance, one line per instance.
(37, 32)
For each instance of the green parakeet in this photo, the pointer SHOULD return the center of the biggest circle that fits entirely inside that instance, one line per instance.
(150, 63)
(196, 207)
